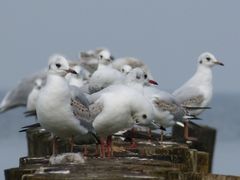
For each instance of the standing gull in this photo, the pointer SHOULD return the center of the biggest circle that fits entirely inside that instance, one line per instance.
(166, 110)
(33, 95)
(119, 107)
(59, 110)
(196, 93)
(105, 75)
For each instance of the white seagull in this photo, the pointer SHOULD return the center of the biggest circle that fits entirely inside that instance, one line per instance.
(33, 95)
(118, 107)
(196, 93)
(60, 111)
(105, 75)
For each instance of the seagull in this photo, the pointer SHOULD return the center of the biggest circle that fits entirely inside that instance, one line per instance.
(119, 107)
(63, 112)
(196, 93)
(79, 79)
(33, 95)
(89, 59)
(18, 96)
(105, 75)
(132, 62)
(125, 69)
(166, 110)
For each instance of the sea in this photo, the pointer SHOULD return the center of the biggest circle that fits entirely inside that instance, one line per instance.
(224, 116)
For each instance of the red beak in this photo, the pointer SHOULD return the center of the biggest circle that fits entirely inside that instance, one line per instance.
(152, 82)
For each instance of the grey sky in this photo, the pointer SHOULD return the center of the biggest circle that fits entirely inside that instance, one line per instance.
(168, 35)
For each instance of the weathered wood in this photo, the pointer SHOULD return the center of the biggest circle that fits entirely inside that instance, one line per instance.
(153, 160)
(206, 138)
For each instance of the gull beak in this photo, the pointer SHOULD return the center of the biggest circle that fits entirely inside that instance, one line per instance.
(112, 58)
(219, 63)
(71, 71)
(152, 82)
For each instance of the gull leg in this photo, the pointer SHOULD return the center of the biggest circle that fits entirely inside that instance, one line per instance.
(109, 146)
(133, 141)
(149, 135)
(186, 133)
(71, 143)
(161, 136)
(102, 153)
(97, 150)
(54, 145)
(85, 152)
(162, 129)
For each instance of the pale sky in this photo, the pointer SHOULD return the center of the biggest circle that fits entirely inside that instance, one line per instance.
(168, 35)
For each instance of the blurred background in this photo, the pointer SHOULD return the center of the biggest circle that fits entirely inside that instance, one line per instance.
(167, 35)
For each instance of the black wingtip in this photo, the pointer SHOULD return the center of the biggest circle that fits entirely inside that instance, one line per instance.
(196, 107)
(25, 128)
(30, 113)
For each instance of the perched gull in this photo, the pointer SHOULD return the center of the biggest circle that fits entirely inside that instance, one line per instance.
(119, 107)
(105, 75)
(132, 62)
(89, 59)
(18, 95)
(166, 110)
(78, 79)
(196, 93)
(125, 69)
(33, 95)
(59, 110)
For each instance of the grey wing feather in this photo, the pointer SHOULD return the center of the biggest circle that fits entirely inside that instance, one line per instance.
(174, 108)
(82, 113)
(95, 109)
(78, 95)
(18, 95)
(189, 97)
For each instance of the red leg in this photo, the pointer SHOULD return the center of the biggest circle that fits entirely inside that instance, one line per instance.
(109, 146)
(71, 144)
(149, 135)
(97, 150)
(54, 145)
(85, 152)
(133, 143)
(186, 132)
(102, 148)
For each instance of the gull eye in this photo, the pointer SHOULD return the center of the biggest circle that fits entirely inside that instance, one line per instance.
(58, 65)
(145, 76)
(138, 77)
(144, 116)
(208, 58)
(100, 56)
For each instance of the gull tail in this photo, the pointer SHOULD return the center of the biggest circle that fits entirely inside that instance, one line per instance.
(25, 128)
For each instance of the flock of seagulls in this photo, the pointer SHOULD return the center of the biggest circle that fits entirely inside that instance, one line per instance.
(98, 96)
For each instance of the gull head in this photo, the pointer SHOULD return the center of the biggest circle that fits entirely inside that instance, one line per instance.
(143, 116)
(105, 57)
(38, 83)
(139, 76)
(125, 69)
(58, 65)
(208, 60)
